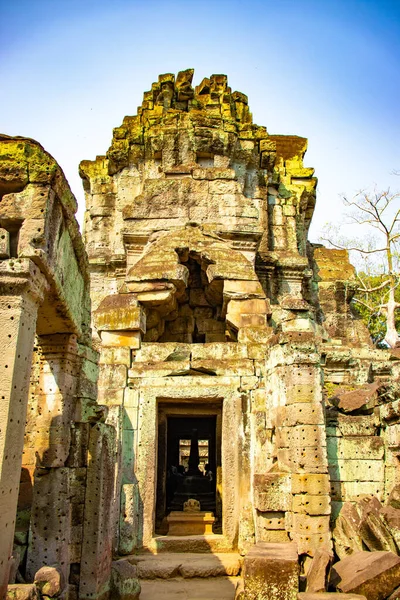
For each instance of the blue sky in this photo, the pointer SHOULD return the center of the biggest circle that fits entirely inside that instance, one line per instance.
(328, 70)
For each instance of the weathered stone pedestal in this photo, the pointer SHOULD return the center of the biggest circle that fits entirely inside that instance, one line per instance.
(271, 571)
(190, 523)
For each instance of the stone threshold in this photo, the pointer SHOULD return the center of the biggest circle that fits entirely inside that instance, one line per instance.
(187, 565)
(213, 544)
(212, 588)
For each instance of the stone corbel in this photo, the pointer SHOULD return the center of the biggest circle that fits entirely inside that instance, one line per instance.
(21, 276)
(120, 320)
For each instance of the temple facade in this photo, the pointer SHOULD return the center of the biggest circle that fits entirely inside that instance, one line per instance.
(194, 355)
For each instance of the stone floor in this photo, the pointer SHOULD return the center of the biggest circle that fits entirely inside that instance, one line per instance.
(211, 588)
(188, 576)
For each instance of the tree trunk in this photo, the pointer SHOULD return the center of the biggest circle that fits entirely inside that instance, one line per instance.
(392, 337)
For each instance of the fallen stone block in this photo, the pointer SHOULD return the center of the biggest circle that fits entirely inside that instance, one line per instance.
(360, 401)
(346, 536)
(374, 533)
(124, 581)
(395, 595)
(329, 596)
(50, 581)
(391, 518)
(318, 572)
(394, 497)
(271, 571)
(22, 591)
(373, 574)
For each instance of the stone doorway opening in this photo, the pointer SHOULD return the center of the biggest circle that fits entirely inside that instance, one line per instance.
(189, 461)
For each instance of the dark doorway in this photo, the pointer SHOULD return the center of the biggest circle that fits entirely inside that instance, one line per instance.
(179, 434)
(176, 433)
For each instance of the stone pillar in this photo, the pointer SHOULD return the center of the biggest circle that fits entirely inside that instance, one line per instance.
(120, 321)
(22, 286)
(48, 438)
(130, 501)
(98, 529)
(295, 397)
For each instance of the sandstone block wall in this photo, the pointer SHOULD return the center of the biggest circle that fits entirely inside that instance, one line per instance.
(48, 372)
(196, 230)
(206, 290)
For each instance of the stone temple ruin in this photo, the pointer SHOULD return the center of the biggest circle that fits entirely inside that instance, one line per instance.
(195, 327)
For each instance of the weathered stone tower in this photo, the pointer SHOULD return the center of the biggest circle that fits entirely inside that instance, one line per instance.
(205, 301)
(196, 230)
(226, 344)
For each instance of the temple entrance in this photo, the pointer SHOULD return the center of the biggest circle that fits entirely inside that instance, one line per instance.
(189, 460)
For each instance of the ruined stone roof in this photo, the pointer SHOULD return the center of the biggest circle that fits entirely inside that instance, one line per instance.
(192, 154)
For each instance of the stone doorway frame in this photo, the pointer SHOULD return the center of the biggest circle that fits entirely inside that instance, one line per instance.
(190, 390)
(170, 408)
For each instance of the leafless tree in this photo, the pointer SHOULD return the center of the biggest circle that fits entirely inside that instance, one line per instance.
(379, 210)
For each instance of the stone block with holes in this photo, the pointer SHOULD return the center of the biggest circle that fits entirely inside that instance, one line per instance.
(355, 448)
(311, 505)
(300, 414)
(272, 492)
(356, 470)
(4, 243)
(271, 570)
(310, 483)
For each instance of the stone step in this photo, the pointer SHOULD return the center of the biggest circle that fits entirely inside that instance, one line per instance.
(215, 543)
(213, 588)
(329, 596)
(187, 566)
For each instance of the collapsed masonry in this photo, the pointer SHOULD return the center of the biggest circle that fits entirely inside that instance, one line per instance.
(211, 311)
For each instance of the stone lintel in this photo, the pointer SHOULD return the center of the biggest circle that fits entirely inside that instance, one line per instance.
(120, 312)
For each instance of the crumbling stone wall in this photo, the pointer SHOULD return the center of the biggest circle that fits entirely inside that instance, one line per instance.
(204, 287)
(49, 418)
(196, 230)
(361, 391)
(193, 156)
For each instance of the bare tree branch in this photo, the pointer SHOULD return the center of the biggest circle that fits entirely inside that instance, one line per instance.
(370, 308)
(375, 289)
(373, 209)
(341, 247)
